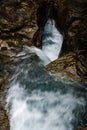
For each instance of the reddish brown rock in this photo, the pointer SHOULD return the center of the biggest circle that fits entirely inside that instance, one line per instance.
(4, 124)
(65, 66)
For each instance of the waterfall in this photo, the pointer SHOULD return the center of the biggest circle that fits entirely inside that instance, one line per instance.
(44, 58)
(52, 40)
(36, 101)
(51, 43)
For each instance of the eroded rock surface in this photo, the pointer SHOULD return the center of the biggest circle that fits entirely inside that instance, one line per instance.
(66, 67)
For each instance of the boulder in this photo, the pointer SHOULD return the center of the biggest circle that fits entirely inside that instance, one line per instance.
(67, 67)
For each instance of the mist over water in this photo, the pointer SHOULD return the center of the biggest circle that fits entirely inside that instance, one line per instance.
(35, 101)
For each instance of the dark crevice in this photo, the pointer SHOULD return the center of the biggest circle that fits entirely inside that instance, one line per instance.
(48, 11)
(45, 11)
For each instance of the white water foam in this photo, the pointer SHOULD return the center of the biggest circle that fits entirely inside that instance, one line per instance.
(43, 57)
(41, 110)
(52, 40)
(51, 43)
(36, 109)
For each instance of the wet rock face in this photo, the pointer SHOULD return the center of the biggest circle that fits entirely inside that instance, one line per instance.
(15, 15)
(76, 27)
(66, 68)
(77, 34)
(6, 68)
(17, 22)
(4, 125)
(81, 64)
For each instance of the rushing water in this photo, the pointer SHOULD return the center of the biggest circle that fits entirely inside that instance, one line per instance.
(51, 40)
(38, 101)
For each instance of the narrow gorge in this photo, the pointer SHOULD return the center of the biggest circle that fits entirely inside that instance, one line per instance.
(43, 65)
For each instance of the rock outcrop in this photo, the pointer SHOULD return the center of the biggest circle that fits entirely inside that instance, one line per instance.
(66, 67)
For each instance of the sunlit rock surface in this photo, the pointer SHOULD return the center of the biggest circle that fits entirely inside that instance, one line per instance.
(66, 67)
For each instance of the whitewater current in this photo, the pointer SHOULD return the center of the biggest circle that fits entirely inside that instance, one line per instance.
(52, 40)
(37, 101)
